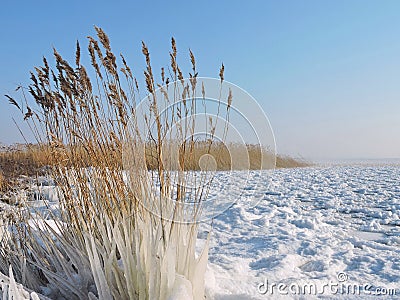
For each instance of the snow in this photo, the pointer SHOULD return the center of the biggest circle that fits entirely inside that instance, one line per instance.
(310, 225)
(294, 227)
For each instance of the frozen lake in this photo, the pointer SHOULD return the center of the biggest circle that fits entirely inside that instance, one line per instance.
(337, 225)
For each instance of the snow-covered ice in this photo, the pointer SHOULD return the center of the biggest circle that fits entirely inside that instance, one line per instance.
(311, 226)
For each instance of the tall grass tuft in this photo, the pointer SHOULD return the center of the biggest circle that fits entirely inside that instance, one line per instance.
(120, 232)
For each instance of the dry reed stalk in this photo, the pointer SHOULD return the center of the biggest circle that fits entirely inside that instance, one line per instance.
(2, 181)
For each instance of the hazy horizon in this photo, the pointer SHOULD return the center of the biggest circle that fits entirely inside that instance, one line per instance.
(326, 73)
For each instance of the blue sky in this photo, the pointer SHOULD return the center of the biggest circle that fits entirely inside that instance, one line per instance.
(327, 73)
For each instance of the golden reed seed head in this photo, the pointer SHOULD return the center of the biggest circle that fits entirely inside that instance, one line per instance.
(126, 66)
(221, 72)
(93, 57)
(180, 75)
(173, 63)
(103, 38)
(229, 98)
(78, 54)
(193, 61)
(173, 45)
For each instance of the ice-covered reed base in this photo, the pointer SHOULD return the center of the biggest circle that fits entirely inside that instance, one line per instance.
(11, 290)
(127, 254)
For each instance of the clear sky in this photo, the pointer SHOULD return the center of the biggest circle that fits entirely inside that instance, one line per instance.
(327, 73)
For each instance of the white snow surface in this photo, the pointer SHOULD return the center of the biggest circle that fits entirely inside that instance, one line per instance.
(338, 224)
(298, 227)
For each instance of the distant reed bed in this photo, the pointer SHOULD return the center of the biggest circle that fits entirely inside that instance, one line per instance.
(33, 159)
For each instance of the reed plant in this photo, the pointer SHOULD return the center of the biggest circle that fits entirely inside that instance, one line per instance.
(105, 242)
